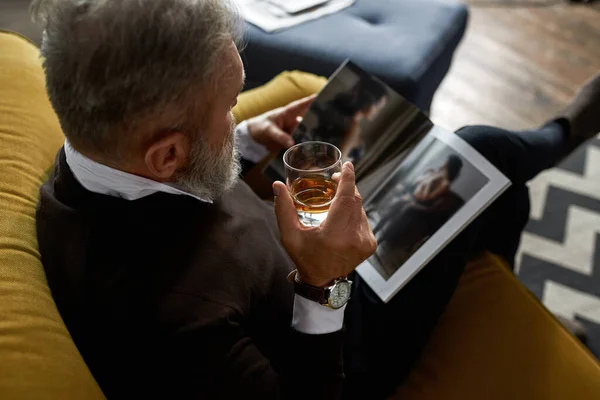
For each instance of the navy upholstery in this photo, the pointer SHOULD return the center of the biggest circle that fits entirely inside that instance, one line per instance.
(407, 43)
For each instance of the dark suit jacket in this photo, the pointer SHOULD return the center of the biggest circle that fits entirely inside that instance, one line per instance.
(169, 297)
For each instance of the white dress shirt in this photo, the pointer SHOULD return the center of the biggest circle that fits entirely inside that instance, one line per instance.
(308, 316)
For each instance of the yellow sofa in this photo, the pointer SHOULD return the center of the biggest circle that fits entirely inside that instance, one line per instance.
(496, 341)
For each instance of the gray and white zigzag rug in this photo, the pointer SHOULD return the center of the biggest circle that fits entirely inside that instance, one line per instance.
(559, 258)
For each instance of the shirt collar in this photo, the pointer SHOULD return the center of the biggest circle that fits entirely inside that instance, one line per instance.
(100, 178)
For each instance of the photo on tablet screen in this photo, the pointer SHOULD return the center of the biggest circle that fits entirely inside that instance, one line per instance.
(427, 189)
(351, 112)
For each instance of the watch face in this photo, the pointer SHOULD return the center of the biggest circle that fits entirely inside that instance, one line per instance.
(340, 294)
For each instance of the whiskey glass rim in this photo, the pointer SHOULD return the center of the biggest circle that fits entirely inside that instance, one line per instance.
(338, 159)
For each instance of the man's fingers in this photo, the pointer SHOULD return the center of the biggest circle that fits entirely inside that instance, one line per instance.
(280, 137)
(295, 109)
(347, 202)
(285, 211)
(347, 183)
(299, 106)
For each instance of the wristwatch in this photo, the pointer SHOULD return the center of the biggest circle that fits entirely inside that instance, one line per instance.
(335, 296)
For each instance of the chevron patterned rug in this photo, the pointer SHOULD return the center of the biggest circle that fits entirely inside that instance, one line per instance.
(559, 258)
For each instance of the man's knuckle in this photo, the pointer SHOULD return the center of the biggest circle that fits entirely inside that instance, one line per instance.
(351, 201)
(347, 201)
(365, 242)
(372, 244)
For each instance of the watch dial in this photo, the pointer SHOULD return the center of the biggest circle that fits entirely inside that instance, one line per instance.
(339, 294)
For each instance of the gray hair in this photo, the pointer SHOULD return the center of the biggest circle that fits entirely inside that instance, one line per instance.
(110, 64)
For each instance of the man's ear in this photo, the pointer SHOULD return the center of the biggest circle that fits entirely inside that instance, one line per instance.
(167, 155)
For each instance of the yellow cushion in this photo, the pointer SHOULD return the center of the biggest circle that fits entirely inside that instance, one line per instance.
(38, 358)
(496, 341)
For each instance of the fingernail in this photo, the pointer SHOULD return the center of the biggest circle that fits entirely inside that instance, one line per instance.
(276, 190)
(350, 165)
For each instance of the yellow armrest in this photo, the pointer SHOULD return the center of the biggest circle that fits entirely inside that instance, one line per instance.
(38, 358)
(496, 341)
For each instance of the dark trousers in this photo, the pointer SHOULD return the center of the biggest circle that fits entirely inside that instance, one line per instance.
(385, 340)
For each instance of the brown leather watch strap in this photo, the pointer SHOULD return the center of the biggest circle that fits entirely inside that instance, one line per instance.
(307, 291)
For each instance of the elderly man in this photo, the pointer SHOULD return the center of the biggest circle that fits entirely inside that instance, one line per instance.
(170, 274)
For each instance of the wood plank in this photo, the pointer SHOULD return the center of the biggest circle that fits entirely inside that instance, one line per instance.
(517, 67)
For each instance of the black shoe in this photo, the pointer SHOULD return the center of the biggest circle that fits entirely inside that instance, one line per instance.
(581, 118)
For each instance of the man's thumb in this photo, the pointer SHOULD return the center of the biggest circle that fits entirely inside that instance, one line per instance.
(285, 211)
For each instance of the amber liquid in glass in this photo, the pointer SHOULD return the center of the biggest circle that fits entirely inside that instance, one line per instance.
(313, 195)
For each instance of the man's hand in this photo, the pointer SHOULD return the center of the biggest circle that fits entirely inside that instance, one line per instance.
(273, 129)
(336, 247)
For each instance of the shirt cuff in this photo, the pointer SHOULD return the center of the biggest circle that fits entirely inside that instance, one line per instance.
(249, 149)
(315, 319)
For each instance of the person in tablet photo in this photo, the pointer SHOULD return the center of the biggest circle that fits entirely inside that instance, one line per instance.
(415, 212)
(340, 118)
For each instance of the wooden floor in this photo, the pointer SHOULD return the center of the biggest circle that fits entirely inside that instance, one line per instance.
(516, 67)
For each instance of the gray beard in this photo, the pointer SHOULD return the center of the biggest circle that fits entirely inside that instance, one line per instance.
(212, 173)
